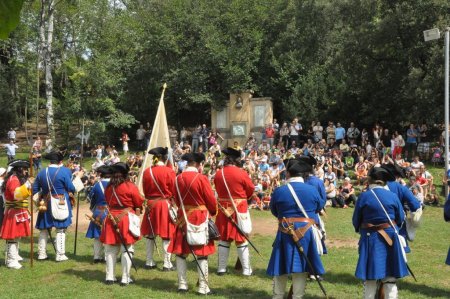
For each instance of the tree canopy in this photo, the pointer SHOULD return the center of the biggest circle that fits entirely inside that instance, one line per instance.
(346, 60)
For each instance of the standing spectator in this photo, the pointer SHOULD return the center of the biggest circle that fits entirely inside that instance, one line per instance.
(422, 132)
(284, 135)
(125, 140)
(214, 137)
(183, 136)
(148, 134)
(276, 127)
(204, 133)
(12, 135)
(318, 132)
(38, 143)
(339, 133)
(270, 134)
(376, 134)
(385, 141)
(140, 137)
(411, 142)
(173, 135)
(37, 158)
(196, 139)
(331, 133)
(364, 136)
(11, 150)
(352, 132)
(99, 152)
(399, 144)
(294, 131)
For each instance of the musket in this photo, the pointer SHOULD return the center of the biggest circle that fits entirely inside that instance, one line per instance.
(225, 212)
(116, 227)
(290, 228)
(76, 224)
(90, 218)
(49, 230)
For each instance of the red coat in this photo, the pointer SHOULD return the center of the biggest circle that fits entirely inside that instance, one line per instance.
(158, 209)
(196, 191)
(16, 222)
(241, 188)
(129, 197)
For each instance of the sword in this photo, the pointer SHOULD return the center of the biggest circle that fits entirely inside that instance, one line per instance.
(153, 232)
(290, 228)
(225, 212)
(116, 227)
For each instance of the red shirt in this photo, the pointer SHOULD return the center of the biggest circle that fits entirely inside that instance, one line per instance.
(270, 132)
(165, 178)
(11, 185)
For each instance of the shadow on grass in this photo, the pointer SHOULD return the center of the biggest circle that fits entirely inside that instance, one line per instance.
(413, 287)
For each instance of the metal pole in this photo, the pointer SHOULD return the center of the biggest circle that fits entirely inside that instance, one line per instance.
(447, 30)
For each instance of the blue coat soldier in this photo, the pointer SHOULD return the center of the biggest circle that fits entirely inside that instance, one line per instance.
(447, 218)
(409, 203)
(55, 180)
(98, 208)
(377, 217)
(286, 258)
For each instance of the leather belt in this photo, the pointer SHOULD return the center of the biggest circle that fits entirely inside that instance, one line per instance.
(298, 219)
(379, 228)
(189, 210)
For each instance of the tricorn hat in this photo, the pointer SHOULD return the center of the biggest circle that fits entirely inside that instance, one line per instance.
(229, 151)
(297, 167)
(19, 163)
(379, 173)
(159, 151)
(120, 167)
(104, 170)
(54, 156)
(308, 159)
(193, 157)
(395, 169)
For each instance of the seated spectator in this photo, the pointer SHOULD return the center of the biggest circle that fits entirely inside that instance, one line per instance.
(319, 170)
(400, 161)
(338, 166)
(329, 174)
(361, 171)
(215, 149)
(349, 162)
(347, 193)
(416, 187)
(416, 164)
(265, 180)
(274, 174)
(264, 147)
(330, 190)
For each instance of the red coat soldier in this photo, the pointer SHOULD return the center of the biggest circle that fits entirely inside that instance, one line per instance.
(196, 203)
(122, 198)
(234, 187)
(16, 221)
(158, 185)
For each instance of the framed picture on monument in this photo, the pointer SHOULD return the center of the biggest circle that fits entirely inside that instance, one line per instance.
(239, 129)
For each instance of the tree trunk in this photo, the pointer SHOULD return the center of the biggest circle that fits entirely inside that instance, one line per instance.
(40, 54)
(48, 73)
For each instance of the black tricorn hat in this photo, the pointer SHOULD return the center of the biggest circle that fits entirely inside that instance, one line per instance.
(229, 151)
(120, 167)
(395, 169)
(159, 151)
(104, 170)
(300, 166)
(54, 156)
(379, 173)
(19, 163)
(193, 157)
(308, 159)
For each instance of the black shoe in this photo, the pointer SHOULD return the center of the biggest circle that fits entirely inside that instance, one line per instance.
(148, 267)
(109, 282)
(165, 269)
(123, 284)
(182, 290)
(98, 261)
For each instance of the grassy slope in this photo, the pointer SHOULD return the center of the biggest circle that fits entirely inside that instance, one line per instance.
(78, 278)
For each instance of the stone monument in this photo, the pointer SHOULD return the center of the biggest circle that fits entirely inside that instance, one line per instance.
(242, 115)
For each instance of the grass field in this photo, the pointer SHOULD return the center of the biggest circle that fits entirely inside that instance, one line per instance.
(79, 278)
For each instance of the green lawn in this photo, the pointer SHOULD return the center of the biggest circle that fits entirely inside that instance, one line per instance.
(78, 278)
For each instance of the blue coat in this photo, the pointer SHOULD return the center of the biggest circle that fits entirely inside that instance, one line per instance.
(97, 196)
(408, 199)
(61, 178)
(285, 258)
(377, 259)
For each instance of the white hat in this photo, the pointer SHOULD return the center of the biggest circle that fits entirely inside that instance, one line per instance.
(347, 179)
(2, 171)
